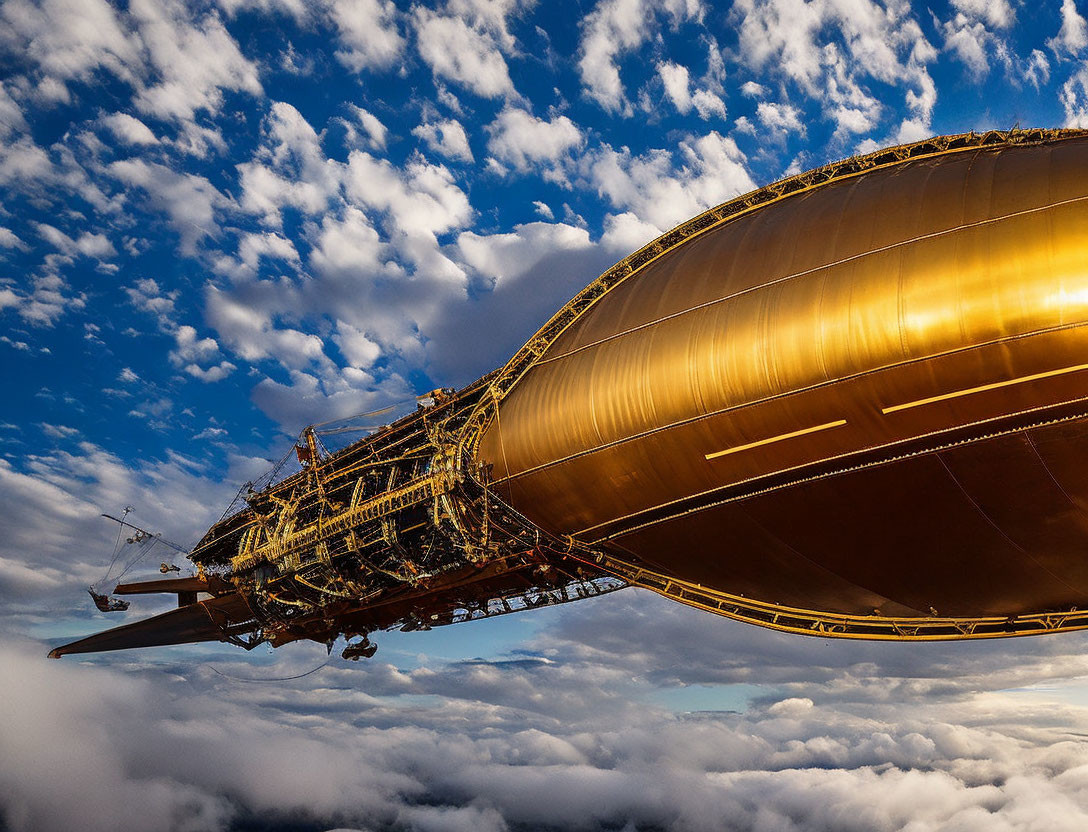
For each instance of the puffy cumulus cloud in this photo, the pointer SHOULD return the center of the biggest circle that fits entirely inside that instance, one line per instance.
(616, 27)
(997, 14)
(1074, 98)
(128, 130)
(307, 398)
(253, 247)
(350, 245)
(1073, 35)
(191, 352)
(446, 138)
(376, 133)
(147, 296)
(364, 284)
(465, 45)
(191, 203)
(44, 300)
(417, 202)
(780, 118)
(359, 350)
(526, 142)
(247, 317)
(564, 734)
(677, 82)
(659, 192)
(193, 61)
(520, 278)
(71, 39)
(177, 62)
(87, 244)
(833, 50)
(289, 169)
(368, 33)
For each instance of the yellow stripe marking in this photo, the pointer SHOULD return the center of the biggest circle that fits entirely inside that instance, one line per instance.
(778, 438)
(982, 388)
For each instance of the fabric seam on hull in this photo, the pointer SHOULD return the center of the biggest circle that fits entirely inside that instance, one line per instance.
(837, 472)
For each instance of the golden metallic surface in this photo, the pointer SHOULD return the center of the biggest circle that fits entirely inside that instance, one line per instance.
(864, 394)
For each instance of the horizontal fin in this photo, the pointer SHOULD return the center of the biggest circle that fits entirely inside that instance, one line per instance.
(209, 620)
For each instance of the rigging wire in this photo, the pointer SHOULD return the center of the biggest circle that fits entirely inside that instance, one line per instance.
(116, 545)
(327, 662)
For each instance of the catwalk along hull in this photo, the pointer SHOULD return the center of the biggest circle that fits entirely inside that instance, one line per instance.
(863, 394)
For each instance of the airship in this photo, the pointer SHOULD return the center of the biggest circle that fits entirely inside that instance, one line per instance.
(850, 404)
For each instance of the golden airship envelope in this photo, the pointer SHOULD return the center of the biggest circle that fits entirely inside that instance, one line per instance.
(862, 391)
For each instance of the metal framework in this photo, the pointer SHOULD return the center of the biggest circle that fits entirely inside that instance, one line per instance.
(813, 623)
(399, 530)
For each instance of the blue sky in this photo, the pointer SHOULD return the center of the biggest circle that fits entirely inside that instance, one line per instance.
(222, 221)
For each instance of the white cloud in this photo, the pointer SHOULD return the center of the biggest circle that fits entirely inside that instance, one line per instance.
(1074, 98)
(9, 239)
(995, 13)
(245, 320)
(1037, 69)
(149, 297)
(660, 193)
(209, 375)
(369, 37)
(270, 246)
(467, 55)
(376, 132)
(11, 114)
(1073, 35)
(308, 398)
(349, 244)
(677, 82)
(677, 85)
(780, 118)
(44, 301)
(419, 201)
(288, 169)
(190, 202)
(521, 139)
(359, 350)
(626, 233)
(190, 349)
(89, 245)
(447, 138)
(300, 10)
(71, 39)
(830, 49)
(708, 104)
(616, 27)
(194, 61)
(504, 257)
(129, 130)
